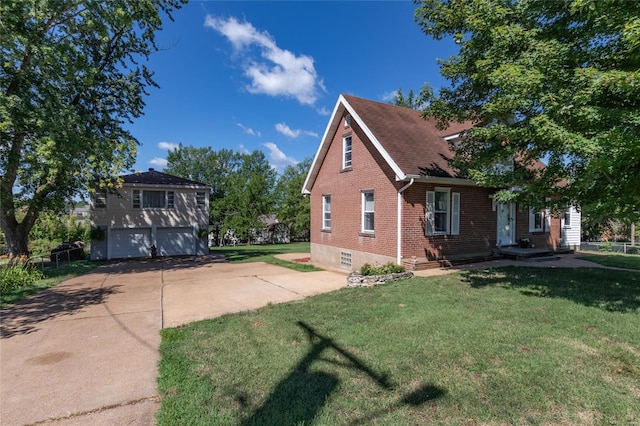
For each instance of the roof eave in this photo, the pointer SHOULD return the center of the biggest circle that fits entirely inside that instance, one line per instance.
(440, 180)
(341, 105)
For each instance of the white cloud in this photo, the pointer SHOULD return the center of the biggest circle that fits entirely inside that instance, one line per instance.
(277, 72)
(278, 159)
(248, 130)
(291, 133)
(243, 149)
(287, 131)
(389, 96)
(158, 162)
(324, 111)
(169, 146)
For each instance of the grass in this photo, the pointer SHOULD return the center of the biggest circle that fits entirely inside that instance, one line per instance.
(617, 260)
(493, 347)
(53, 277)
(266, 253)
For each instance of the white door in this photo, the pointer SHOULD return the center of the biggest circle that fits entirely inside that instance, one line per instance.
(175, 241)
(130, 243)
(506, 224)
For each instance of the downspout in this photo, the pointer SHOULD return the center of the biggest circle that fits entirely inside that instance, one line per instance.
(399, 246)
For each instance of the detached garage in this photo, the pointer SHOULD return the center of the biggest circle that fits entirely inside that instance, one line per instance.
(150, 208)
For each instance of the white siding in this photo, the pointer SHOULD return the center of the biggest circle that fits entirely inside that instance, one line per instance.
(571, 232)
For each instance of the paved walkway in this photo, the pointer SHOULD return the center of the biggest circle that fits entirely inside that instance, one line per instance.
(86, 351)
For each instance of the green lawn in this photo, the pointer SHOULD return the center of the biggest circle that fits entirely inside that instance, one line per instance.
(493, 347)
(266, 253)
(627, 261)
(53, 276)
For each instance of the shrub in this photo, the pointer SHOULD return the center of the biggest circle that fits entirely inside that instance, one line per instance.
(606, 247)
(18, 274)
(387, 268)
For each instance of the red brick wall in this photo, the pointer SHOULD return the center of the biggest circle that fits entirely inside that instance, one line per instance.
(549, 238)
(477, 224)
(369, 171)
(345, 188)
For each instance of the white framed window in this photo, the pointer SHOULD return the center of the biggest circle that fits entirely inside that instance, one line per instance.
(539, 221)
(346, 152)
(146, 199)
(153, 200)
(347, 121)
(326, 212)
(442, 216)
(367, 211)
(100, 200)
(136, 202)
(566, 218)
(200, 199)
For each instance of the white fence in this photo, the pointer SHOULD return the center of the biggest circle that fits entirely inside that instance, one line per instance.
(625, 248)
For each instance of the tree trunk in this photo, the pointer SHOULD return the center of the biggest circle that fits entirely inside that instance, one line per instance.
(633, 233)
(17, 237)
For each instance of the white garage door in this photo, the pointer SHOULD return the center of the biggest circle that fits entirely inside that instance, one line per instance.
(175, 241)
(130, 243)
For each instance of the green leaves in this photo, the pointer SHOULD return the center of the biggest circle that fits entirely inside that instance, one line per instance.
(70, 77)
(557, 81)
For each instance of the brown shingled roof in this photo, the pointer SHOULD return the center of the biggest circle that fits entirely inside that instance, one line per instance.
(414, 144)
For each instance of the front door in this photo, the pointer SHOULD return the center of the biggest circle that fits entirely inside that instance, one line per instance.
(506, 224)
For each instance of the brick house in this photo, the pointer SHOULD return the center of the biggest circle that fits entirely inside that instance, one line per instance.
(382, 191)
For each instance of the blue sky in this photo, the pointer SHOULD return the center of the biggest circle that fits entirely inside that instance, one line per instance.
(266, 75)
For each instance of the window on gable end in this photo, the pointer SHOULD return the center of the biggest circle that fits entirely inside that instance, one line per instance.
(326, 212)
(346, 152)
(367, 212)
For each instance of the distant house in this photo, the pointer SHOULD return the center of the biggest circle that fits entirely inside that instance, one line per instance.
(80, 215)
(382, 190)
(150, 209)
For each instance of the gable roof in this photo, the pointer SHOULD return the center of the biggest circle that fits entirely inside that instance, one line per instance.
(154, 177)
(412, 146)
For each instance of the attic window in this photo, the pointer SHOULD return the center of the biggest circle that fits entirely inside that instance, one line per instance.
(347, 121)
(346, 152)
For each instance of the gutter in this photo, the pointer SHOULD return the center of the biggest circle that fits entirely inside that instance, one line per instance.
(399, 233)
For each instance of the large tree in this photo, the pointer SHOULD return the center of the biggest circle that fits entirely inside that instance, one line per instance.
(70, 78)
(551, 80)
(242, 185)
(215, 168)
(251, 194)
(292, 207)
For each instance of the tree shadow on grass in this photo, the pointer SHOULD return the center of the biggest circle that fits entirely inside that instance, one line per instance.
(23, 317)
(300, 396)
(614, 291)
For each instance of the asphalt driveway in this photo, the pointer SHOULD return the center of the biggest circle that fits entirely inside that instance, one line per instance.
(86, 351)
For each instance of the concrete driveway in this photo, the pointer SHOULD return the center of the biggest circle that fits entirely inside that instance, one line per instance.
(86, 351)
